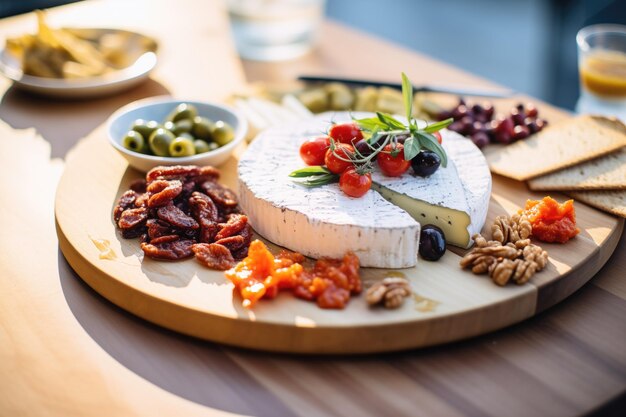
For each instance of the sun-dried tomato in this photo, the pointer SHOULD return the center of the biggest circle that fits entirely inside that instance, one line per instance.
(158, 228)
(241, 253)
(142, 200)
(171, 172)
(163, 191)
(235, 224)
(134, 232)
(171, 250)
(138, 186)
(170, 214)
(126, 201)
(132, 217)
(233, 243)
(261, 275)
(214, 255)
(165, 239)
(220, 195)
(176, 217)
(203, 208)
(206, 213)
(333, 297)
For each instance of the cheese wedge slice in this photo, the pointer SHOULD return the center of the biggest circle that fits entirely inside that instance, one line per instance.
(383, 226)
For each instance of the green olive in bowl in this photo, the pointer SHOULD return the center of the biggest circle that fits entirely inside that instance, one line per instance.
(160, 141)
(183, 111)
(222, 133)
(134, 141)
(145, 127)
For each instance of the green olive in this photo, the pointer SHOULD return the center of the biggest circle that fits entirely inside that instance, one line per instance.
(169, 126)
(182, 126)
(145, 127)
(183, 111)
(222, 133)
(134, 141)
(201, 146)
(182, 147)
(202, 127)
(160, 141)
(186, 135)
(213, 146)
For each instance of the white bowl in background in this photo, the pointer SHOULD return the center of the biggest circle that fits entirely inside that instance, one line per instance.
(158, 108)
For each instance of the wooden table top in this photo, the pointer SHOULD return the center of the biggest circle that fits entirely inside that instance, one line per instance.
(65, 351)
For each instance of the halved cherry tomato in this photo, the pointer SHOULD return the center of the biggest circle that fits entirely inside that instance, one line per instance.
(354, 184)
(437, 136)
(392, 162)
(336, 165)
(313, 151)
(346, 132)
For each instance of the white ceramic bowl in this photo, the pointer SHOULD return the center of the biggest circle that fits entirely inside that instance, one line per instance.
(158, 108)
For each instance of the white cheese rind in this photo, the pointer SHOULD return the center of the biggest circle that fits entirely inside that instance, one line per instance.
(323, 221)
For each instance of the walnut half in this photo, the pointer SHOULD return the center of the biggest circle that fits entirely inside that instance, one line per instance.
(389, 292)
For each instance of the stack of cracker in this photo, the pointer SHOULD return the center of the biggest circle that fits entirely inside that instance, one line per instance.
(584, 157)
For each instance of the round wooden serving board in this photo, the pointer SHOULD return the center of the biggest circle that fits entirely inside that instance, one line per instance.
(191, 299)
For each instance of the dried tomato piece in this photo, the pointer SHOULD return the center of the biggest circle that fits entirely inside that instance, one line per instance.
(165, 239)
(206, 213)
(169, 250)
(206, 173)
(176, 217)
(236, 223)
(233, 243)
(134, 232)
(142, 200)
(139, 185)
(333, 297)
(294, 257)
(131, 218)
(222, 196)
(241, 253)
(203, 208)
(246, 233)
(171, 172)
(162, 192)
(158, 228)
(214, 255)
(126, 201)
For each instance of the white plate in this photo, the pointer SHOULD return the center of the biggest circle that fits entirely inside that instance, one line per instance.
(109, 83)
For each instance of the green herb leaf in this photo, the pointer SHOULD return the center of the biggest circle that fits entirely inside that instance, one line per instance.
(318, 180)
(371, 124)
(309, 171)
(411, 148)
(407, 94)
(390, 121)
(429, 142)
(438, 125)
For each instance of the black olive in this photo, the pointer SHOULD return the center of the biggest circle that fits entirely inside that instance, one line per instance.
(425, 163)
(432, 243)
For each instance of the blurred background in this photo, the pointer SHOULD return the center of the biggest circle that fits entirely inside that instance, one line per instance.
(528, 46)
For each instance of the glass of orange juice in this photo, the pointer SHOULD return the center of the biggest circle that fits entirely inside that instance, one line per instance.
(602, 67)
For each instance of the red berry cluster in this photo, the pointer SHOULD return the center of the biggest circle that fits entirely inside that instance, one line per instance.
(478, 123)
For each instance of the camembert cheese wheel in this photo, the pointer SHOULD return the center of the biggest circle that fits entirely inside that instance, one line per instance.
(382, 227)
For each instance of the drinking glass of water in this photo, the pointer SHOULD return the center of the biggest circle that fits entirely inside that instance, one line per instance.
(274, 30)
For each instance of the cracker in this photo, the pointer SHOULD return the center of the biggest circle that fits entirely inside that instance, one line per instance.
(612, 201)
(563, 145)
(604, 173)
